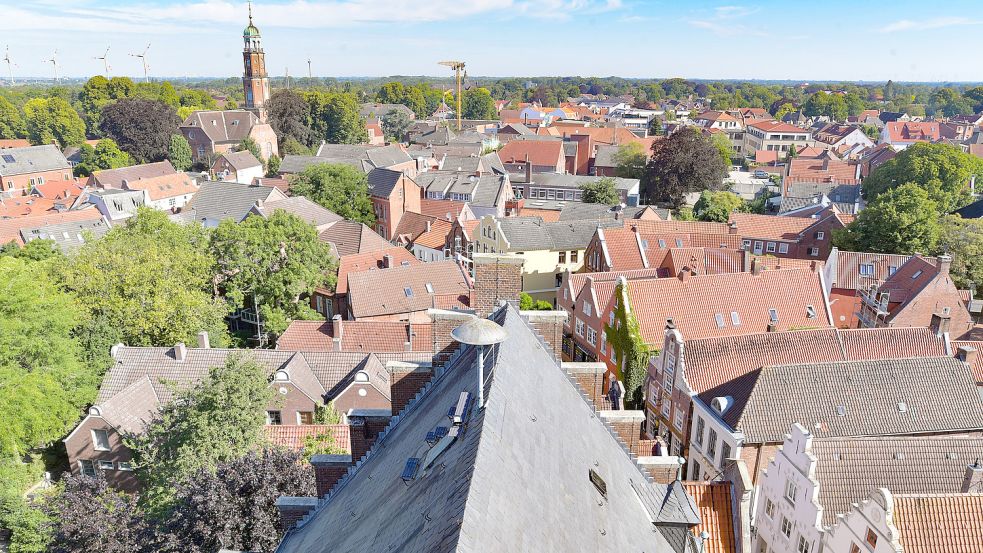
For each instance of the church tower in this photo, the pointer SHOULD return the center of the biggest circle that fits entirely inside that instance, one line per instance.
(255, 82)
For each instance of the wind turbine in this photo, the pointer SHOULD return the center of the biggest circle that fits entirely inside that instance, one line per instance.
(105, 61)
(309, 75)
(143, 58)
(54, 63)
(10, 65)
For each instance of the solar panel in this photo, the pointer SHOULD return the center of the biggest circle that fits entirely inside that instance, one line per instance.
(409, 471)
(8, 158)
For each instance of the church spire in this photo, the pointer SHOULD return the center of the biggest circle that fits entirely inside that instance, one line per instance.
(250, 2)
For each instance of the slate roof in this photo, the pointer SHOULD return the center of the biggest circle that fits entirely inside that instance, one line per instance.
(293, 164)
(32, 159)
(712, 362)
(532, 233)
(564, 180)
(300, 206)
(349, 237)
(971, 211)
(604, 156)
(119, 203)
(357, 336)
(938, 393)
(925, 522)
(384, 292)
(578, 211)
(371, 110)
(242, 160)
(217, 200)
(383, 181)
(222, 127)
(68, 236)
(132, 408)
(524, 457)
(849, 469)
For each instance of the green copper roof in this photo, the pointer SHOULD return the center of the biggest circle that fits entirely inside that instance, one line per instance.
(251, 30)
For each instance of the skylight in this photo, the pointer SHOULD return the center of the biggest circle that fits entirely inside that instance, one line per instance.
(429, 288)
(735, 319)
(773, 315)
(8, 158)
(810, 312)
(408, 291)
(720, 320)
(917, 274)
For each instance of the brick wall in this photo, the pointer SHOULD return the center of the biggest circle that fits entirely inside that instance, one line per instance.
(549, 325)
(496, 277)
(292, 509)
(364, 431)
(628, 426)
(328, 469)
(443, 323)
(590, 378)
(405, 382)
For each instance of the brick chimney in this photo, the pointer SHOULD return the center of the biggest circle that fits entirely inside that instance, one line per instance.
(590, 378)
(387, 261)
(337, 329)
(364, 427)
(292, 509)
(497, 277)
(944, 263)
(328, 469)
(443, 322)
(973, 481)
(940, 323)
(967, 354)
(685, 274)
(406, 379)
(203, 341)
(732, 227)
(549, 325)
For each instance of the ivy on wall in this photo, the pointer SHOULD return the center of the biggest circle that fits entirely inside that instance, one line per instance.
(632, 352)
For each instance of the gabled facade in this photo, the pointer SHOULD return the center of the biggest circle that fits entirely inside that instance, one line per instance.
(23, 168)
(393, 194)
(214, 132)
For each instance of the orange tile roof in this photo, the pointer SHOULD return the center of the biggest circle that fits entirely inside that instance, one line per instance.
(776, 126)
(752, 225)
(548, 215)
(943, 522)
(23, 206)
(407, 289)
(911, 131)
(370, 261)
(765, 156)
(59, 189)
(165, 186)
(771, 262)
(356, 336)
(14, 143)
(694, 301)
(436, 237)
(441, 208)
(821, 170)
(714, 505)
(548, 153)
(291, 436)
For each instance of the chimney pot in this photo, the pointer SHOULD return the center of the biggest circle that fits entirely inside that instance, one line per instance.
(180, 351)
(944, 263)
(387, 260)
(967, 354)
(203, 341)
(973, 481)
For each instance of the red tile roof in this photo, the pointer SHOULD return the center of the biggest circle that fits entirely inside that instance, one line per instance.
(291, 436)
(772, 227)
(714, 505)
(547, 215)
(911, 131)
(943, 522)
(59, 190)
(776, 126)
(403, 290)
(436, 237)
(694, 301)
(547, 153)
(10, 228)
(370, 261)
(442, 209)
(821, 170)
(356, 336)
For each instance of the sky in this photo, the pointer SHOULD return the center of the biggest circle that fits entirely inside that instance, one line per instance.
(843, 40)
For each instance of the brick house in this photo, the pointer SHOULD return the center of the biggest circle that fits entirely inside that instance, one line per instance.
(215, 132)
(850, 274)
(333, 302)
(136, 386)
(543, 156)
(239, 166)
(688, 369)
(804, 235)
(642, 244)
(393, 194)
(23, 168)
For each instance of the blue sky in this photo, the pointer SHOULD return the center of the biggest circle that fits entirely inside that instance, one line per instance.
(824, 40)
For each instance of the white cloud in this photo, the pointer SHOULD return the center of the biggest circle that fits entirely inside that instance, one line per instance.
(934, 23)
(724, 21)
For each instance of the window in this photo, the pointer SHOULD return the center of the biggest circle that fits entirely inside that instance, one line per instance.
(696, 470)
(87, 468)
(274, 418)
(783, 248)
(871, 537)
(611, 318)
(666, 408)
(678, 420)
(563, 257)
(124, 465)
(791, 491)
(574, 255)
(305, 417)
(587, 308)
(712, 444)
(773, 315)
(591, 336)
(746, 244)
(579, 327)
(720, 320)
(786, 527)
(724, 452)
(106, 465)
(662, 243)
(699, 431)
(770, 248)
(735, 319)
(670, 366)
(770, 508)
(866, 269)
(759, 247)
(810, 312)
(429, 288)
(891, 270)
(604, 340)
(854, 548)
(100, 440)
(820, 235)
(320, 304)
(679, 242)
(814, 252)
(803, 546)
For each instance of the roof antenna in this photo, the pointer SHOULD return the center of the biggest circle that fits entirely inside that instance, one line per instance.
(481, 333)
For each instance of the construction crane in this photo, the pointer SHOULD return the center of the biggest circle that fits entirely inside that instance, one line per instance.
(143, 58)
(54, 62)
(457, 66)
(10, 65)
(105, 61)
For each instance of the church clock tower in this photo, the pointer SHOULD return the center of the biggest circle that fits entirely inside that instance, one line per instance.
(255, 82)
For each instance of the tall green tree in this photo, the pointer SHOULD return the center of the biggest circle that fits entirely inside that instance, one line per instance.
(11, 121)
(148, 282)
(630, 160)
(105, 155)
(394, 125)
(179, 152)
(218, 420)
(477, 103)
(963, 239)
(717, 206)
(275, 261)
(724, 148)
(391, 93)
(53, 120)
(903, 220)
(335, 117)
(943, 171)
(341, 188)
(94, 96)
(141, 127)
(600, 191)
(687, 161)
(249, 145)
(289, 115)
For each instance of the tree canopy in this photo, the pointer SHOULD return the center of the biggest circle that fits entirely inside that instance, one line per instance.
(903, 220)
(630, 160)
(600, 191)
(687, 161)
(53, 120)
(179, 152)
(943, 171)
(105, 155)
(477, 103)
(289, 114)
(341, 188)
(140, 127)
(717, 206)
(335, 117)
(278, 260)
(394, 125)
(963, 239)
(11, 121)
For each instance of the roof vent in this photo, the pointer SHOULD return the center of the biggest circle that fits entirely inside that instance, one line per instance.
(599, 484)
(902, 407)
(899, 456)
(481, 333)
(840, 410)
(721, 404)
